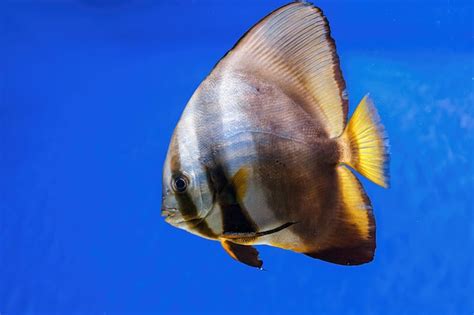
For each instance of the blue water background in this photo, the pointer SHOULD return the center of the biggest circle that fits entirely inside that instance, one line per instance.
(90, 92)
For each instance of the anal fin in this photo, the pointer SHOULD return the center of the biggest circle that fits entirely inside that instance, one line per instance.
(244, 253)
(352, 241)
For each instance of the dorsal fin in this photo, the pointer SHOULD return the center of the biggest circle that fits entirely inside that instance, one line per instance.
(292, 48)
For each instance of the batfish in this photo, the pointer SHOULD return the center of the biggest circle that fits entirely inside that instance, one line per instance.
(264, 152)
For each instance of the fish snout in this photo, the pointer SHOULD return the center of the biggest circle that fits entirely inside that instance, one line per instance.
(173, 216)
(168, 212)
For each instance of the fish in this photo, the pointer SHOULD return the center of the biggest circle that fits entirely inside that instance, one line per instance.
(264, 152)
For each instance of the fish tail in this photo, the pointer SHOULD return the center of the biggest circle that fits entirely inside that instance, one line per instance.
(364, 144)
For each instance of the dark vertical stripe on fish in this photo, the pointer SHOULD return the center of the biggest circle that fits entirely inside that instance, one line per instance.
(187, 208)
(235, 218)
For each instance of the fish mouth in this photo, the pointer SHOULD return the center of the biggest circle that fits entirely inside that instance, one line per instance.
(168, 212)
(171, 215)
(174, 217)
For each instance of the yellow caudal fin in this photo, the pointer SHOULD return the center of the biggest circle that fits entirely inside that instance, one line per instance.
(364, 144)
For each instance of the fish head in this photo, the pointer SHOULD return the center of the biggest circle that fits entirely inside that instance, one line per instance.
(186, 195)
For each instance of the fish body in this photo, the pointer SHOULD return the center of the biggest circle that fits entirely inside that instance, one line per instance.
(262, 151)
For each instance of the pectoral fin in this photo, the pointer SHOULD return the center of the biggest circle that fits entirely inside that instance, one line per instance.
(240, 183)
(243, 253)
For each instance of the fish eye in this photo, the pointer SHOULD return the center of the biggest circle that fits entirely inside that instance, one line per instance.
(180, 183)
